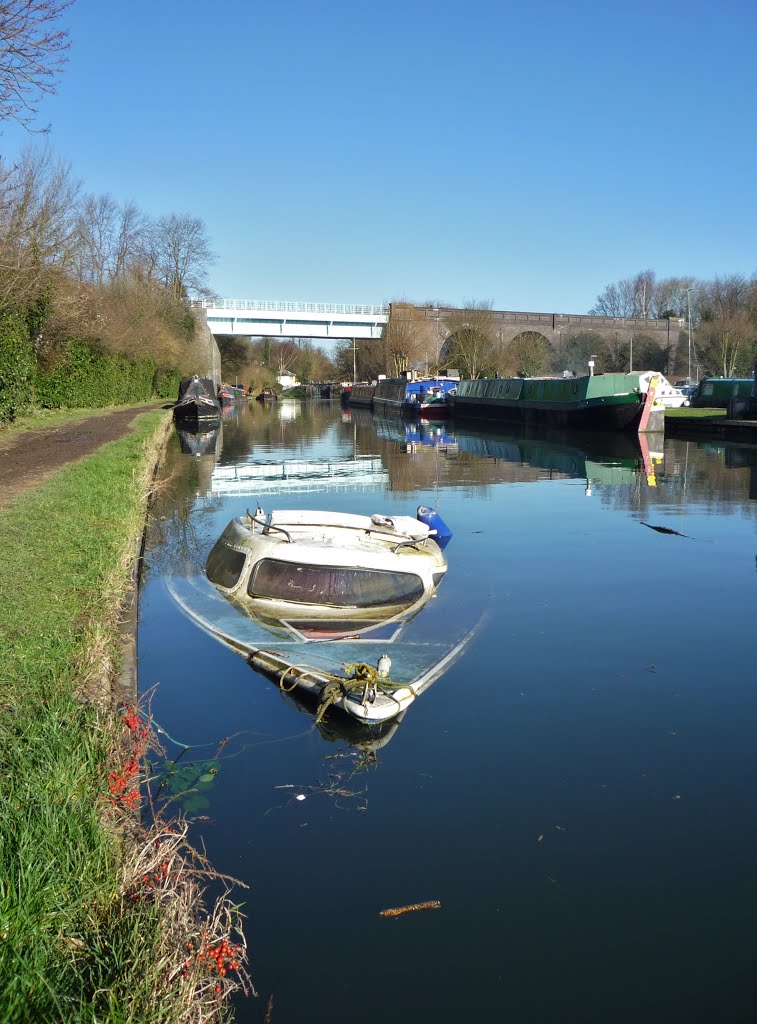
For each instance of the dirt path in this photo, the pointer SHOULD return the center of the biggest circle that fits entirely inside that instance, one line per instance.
(28, 457)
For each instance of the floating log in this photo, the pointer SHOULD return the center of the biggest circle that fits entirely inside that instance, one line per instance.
(396, 911)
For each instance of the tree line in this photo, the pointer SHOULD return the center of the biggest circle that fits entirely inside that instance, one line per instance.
(257, 362)
(78, 268)
(722, 313)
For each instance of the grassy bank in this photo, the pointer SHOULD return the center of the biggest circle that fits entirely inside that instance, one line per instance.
(99, 920)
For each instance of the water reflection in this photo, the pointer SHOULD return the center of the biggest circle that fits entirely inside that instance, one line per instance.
(200, 441)
(584, 770)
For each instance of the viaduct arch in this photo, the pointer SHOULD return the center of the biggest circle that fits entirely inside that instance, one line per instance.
(436, 323)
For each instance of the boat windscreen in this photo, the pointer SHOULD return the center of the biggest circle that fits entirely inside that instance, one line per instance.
(224, 566)
(332, 585)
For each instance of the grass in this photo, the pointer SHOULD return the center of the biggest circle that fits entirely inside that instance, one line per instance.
(695, 413)
(93, 925)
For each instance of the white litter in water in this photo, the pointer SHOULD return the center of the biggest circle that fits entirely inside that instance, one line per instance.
(300, 796)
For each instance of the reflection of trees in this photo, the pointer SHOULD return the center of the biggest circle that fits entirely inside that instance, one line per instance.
(174, 532)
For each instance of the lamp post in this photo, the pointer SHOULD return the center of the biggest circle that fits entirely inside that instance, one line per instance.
(688, 304)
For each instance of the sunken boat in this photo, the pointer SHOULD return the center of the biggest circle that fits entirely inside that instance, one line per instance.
(333, 605)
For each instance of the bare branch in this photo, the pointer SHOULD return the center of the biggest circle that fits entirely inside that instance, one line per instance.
(33, 53)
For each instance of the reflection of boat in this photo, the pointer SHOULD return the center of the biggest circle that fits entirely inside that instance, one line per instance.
(200, 440)
(602, 401)
(326, 593)
(424, 397)
(197, 402)
(594, 456)
(415, 432)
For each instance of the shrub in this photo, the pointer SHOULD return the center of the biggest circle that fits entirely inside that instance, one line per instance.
(17, 366)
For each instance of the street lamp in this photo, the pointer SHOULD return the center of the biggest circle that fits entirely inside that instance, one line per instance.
(688, 303)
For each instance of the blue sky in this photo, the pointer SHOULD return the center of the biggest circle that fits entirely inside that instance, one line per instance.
(524, 154)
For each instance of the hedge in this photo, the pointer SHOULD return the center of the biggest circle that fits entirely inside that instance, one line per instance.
(17, 367)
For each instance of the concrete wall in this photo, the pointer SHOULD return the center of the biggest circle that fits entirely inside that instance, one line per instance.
(205, 356)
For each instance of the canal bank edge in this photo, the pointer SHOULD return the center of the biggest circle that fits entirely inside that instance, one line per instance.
(124, 684)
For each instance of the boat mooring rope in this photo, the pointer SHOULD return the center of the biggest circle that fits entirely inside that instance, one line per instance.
(357, 677)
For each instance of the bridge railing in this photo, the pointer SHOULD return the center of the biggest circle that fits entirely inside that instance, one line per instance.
(271, 306)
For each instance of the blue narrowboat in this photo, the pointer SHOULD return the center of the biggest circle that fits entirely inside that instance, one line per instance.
(424, 397)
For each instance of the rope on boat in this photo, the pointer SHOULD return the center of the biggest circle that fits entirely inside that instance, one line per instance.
(358, 676)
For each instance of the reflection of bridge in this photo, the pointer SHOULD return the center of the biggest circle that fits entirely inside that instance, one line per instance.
(292, 476)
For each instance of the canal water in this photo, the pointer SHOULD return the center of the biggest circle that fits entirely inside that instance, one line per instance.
(577, 790)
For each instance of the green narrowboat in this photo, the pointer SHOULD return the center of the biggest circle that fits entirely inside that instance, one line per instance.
(600, 401)
(716, 392)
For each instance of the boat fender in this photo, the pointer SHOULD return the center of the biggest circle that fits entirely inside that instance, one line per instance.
(434, 521)
(383, 666)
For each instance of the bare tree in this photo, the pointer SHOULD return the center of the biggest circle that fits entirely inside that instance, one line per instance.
(95, 237)
(728, 345)
(131, 242)
(182, 254)
(471, 344)
(33, 52)
(529, 354)
(401, 344)
(37, 224)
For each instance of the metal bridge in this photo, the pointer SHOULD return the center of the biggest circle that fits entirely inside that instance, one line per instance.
(264, 318)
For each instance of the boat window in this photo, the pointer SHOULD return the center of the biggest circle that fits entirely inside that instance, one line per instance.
(224, 566)
(332, 585)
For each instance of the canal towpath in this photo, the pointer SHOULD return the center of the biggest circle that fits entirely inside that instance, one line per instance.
(36, 450)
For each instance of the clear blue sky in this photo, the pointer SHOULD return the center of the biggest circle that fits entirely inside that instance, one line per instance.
(528, 154)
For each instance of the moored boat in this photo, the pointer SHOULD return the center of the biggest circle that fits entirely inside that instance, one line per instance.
(230, 393)
(717, 392)
(666, 394)
(267, 394)
(602, 401)
(424, 397)
(197, 402)
(362, 395)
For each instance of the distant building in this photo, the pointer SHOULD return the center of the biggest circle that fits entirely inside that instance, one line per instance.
(287, 380)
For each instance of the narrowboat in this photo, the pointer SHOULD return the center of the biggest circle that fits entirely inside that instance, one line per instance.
(425, 397)
(600, 401)
(716, 392)
(361, 395)
(267, 394)
(230, 393)
(197, 403)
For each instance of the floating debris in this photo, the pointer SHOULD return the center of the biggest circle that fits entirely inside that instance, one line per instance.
(540, 839)
(665, 529)
(396, 911)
